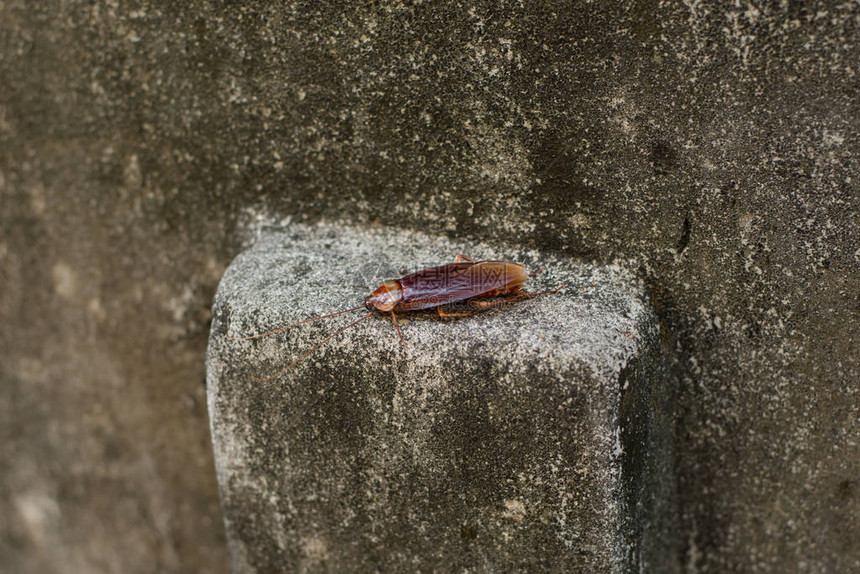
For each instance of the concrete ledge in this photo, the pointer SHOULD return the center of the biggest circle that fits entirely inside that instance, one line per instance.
(531, 437)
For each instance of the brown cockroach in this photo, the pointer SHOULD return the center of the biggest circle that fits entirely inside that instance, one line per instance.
(479, 285)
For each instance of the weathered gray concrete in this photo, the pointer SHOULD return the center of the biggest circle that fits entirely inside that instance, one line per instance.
(529, 437)
(715, 145)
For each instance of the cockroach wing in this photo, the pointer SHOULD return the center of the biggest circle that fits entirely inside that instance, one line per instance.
(437, 286)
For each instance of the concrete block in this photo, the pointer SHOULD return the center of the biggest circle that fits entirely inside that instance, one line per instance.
(532, 437)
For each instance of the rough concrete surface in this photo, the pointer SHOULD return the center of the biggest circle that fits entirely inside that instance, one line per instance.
(713, 144)
(518, 439)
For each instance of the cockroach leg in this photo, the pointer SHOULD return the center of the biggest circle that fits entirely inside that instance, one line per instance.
(513, 298)
(486, 304)
(523, 295)
(452, 315)
(462, 258)
(538, 272)
(397, 328)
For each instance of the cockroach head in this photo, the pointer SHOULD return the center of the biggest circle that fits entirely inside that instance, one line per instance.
(385, 298)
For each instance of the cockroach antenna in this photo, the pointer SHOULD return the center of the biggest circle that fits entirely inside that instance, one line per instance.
(285, 327)
(317, 346)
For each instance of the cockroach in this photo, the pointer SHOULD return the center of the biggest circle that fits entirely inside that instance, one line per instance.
(478, 285)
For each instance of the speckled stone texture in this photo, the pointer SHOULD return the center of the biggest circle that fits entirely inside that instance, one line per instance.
(534, 437)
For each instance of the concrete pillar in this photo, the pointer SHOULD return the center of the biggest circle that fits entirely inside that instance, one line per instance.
(532, 437)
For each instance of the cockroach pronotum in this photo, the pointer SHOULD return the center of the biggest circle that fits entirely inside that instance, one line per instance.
(478, 285)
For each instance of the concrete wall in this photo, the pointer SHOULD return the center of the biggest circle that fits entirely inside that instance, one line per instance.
(716, 145)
